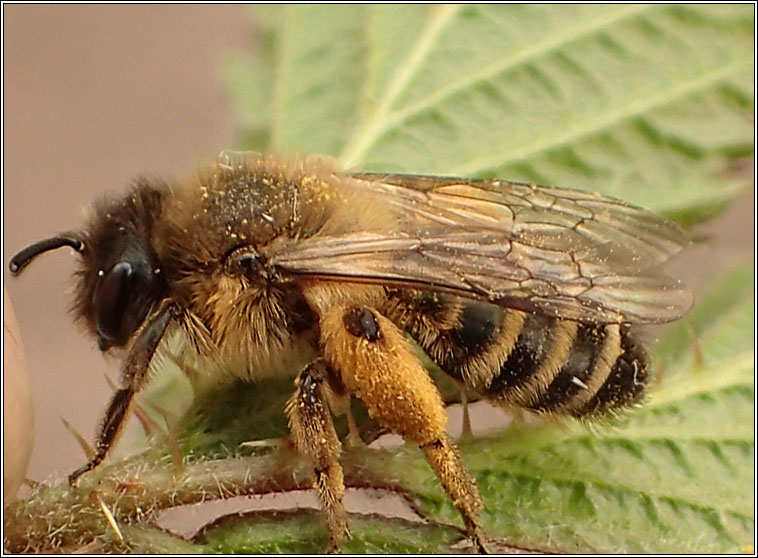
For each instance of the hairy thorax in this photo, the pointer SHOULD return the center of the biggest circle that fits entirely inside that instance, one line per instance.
(239, 320)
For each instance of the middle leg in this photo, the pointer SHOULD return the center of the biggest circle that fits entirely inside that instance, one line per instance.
(315, 438)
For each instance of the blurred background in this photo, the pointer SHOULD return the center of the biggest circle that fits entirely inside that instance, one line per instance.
(94, 96)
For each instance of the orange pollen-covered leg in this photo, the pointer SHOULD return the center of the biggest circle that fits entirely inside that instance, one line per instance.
(443, 456)
(377, 364)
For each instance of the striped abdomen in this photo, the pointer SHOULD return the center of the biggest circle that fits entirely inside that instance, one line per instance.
(516, 358)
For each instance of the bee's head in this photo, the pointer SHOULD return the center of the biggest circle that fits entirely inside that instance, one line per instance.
(119, 279)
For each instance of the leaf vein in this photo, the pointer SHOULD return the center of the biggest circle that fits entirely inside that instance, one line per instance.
(385, 120)
(590, 126)
(542, 476)
(402, 76)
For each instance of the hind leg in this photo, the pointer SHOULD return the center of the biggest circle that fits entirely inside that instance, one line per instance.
(376, 363)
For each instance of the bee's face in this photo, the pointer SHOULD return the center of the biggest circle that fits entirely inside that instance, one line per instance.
(120, 277)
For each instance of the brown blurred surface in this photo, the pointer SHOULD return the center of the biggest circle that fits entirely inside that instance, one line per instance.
(95, 95)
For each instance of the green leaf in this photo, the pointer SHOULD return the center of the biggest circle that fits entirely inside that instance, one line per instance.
(144, 539)
(318, 70)
(303, 533)
(645, 102)
(250, 78)
(733, 290)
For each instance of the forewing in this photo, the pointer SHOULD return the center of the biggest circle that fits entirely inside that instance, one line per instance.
(562, 253)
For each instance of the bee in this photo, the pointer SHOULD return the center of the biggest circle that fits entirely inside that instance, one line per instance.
(527, 295)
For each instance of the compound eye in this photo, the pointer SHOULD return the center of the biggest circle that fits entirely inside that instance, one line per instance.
(111, 301)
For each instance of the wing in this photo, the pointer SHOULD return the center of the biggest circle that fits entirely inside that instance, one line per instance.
(562, 253)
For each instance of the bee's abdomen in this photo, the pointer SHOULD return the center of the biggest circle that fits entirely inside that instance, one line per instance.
(604, 369)
(541, 363)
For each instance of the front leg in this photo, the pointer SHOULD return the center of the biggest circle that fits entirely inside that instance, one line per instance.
(376, 363)
(133, 374)
(315, 438)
